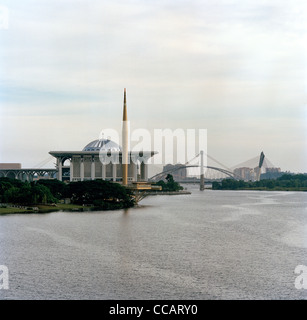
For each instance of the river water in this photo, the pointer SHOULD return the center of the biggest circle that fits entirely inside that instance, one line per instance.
(207, 245)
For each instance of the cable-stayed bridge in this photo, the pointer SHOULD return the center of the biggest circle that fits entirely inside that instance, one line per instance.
(214, 170)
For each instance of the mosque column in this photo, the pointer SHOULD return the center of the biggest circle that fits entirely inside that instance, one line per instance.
(93, 169)
(82, 169)
(71, 171)
(103, 172)
(134, 172)
(59, 168)
(142, 171)
(114, 171)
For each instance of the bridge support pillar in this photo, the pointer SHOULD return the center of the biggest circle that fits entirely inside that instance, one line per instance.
(202, 172)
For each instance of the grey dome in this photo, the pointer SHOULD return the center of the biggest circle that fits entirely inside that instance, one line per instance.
(102, 144)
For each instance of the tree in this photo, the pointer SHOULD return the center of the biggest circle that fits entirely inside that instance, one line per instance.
(171, 184)
(100, 192)
(56, 187)
(42, 194)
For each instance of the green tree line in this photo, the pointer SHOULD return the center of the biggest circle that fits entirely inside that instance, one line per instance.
(170, 184)
(100, 193)
(291, 182)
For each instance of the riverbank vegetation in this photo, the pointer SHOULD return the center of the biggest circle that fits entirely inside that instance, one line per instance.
(287, 182)
(19, 196)
(170, 184)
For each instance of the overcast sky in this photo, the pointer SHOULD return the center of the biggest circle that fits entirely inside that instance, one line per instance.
(236, 68)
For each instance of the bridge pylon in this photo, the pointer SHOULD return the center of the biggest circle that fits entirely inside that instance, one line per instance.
(202, 172)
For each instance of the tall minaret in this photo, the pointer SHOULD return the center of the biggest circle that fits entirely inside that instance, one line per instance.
(125, 142)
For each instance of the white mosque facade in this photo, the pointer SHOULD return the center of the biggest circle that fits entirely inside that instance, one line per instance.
(101, 159)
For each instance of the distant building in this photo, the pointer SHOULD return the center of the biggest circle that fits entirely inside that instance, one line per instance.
(272, 173)
(250, 174)
(6, 166)
(245, 173)
(271, 170)
(179, 174)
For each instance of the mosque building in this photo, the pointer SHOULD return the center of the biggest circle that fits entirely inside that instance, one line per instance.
(99, 159)
(104, 159)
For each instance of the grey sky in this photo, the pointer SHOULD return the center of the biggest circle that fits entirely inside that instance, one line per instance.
(236, 68)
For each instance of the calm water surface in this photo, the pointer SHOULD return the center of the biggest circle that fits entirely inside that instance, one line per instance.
(207, 245)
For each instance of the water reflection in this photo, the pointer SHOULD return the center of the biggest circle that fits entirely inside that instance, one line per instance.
(210, 245)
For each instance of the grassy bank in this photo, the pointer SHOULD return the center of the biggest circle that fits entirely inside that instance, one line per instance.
(61, 207)
(42, 208)
(8, 210)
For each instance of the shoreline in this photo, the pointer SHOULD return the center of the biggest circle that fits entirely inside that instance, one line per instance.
(41, 209)
(8, 208)
(11, 208)
(303, 189)
(169, 193)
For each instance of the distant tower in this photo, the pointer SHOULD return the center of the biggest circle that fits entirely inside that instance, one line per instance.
(125, 142)
(258, 169)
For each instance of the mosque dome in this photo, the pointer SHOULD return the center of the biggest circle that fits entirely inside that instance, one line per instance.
(103, 145)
